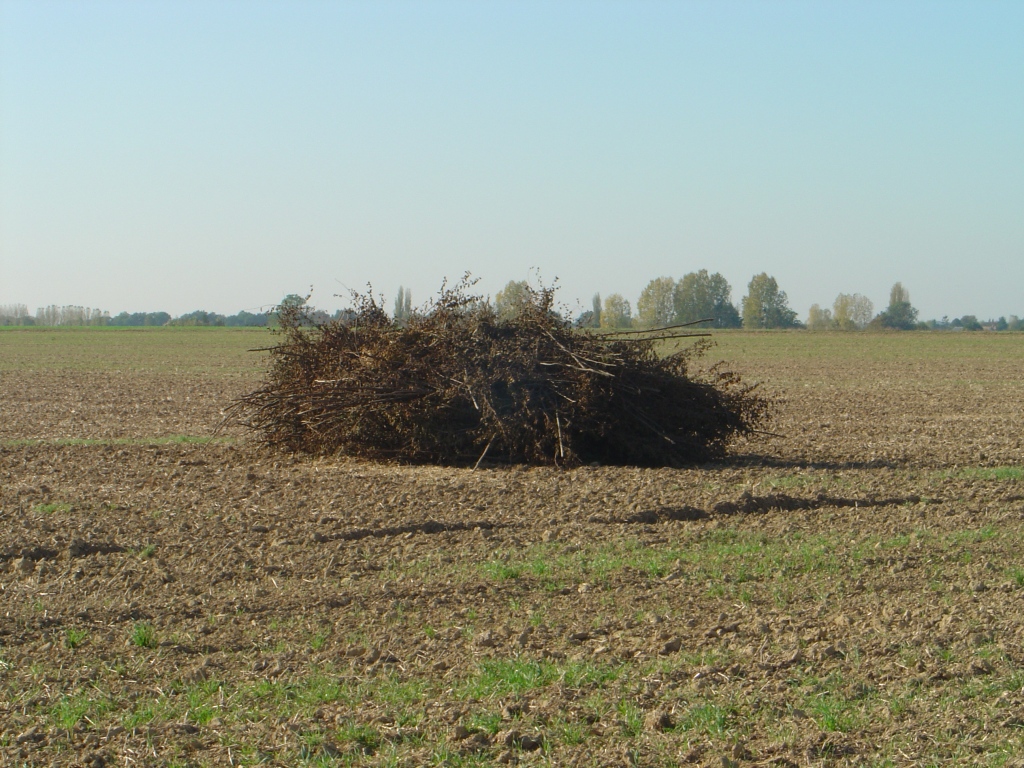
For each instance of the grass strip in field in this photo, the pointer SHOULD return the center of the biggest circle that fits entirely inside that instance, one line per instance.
(985, 473)
(513, 677)
(51, 508)
(731, 555)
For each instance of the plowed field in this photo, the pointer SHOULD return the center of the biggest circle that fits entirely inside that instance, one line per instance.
(849, 591)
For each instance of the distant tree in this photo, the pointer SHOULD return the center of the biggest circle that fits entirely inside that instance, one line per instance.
(590, 318)
(403, 304)
(290, 302)
(199, 317)
(136, 319)
(1013, 323)
(970, 323)
(765, 306)
(656, 305)
(70, 315)
(852, 312)
(899, 315)
(345, 316)
(616, 312)
(819, 319)
(399, 303)
(511, 298)
(701, 296)
(318, 316)
(246, 320)
(727, 316)
(15, 314)
(585, 319)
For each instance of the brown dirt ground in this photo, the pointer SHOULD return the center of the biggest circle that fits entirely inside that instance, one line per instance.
(847, 593)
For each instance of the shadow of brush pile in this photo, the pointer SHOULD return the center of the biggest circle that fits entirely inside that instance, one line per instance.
(456, 383)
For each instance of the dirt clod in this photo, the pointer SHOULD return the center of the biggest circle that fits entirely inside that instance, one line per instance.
(672, 646)
(659, 720)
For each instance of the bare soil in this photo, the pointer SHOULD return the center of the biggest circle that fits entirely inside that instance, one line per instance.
(847, 592)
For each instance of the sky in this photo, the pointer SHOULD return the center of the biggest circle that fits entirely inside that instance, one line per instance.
(173, 156)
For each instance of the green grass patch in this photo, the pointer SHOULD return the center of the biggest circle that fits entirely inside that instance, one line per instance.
(514, 677)
(71, 710)
(140, 714)
(631, 717)
(973, 536)
(724, 560)
(52, 508)
(707, 718)
(488, 722)
(202, 701)
(143, 635)
(787, 482)
(500, 571)
(833, 712)
(288, 698)
(198, 703)
(360, 738)
(74, 637)
(569, 732)
(319, 640)
(986, 473)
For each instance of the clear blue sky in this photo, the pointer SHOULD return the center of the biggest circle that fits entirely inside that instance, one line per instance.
(218, 155)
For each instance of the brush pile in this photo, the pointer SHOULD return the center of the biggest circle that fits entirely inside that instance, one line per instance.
(457, 384)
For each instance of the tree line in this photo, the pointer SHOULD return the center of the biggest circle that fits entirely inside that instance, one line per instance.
(17, 314)
(705, 300)
(73, 315)
(699, 298)
(851, 312)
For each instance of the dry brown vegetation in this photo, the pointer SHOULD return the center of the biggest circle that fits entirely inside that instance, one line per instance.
(847, 593)
(457, 383)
